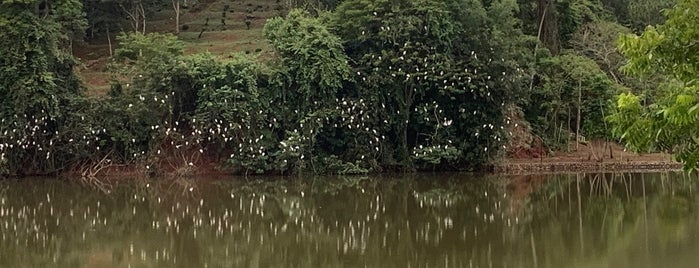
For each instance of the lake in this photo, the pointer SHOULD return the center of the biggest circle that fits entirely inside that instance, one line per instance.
(415, 220)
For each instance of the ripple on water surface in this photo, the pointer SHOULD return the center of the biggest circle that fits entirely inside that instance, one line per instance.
(452, 220)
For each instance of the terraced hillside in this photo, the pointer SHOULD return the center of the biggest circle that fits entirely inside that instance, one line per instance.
(220, 27)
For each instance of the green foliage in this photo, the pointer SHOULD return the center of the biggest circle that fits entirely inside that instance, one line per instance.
(147, 60)
(573, 14)
(597, 40)
(38, 89)
(436, 155)
(70, 16)
(642, 13)
(103, 16)
(668, 48)
(669, 120)
(329, 129)
(333, 165)
(629, 125)
(230, 114)
(418, 56)
(569, 82)
(313, 63)
(372, 85)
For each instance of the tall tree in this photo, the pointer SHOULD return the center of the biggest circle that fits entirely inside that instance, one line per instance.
(572, 97)
(312, 70)
(429, 76)
(548, 25)
(313, 61)
(176, 6)
(136, 13)
(669, 49)
(597, 40)
(102, 16)
(642, 13)
(37, 83)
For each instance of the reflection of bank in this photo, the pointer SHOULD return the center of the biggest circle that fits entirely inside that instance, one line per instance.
(544, 167)
(421, 219)
(606, 215)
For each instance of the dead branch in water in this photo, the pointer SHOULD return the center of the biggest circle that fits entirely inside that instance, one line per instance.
(91, 169)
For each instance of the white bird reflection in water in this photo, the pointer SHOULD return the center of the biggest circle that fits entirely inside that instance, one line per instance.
(418, 221)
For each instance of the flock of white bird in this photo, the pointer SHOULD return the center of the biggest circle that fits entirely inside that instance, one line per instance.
(244, 135)
(144, 224)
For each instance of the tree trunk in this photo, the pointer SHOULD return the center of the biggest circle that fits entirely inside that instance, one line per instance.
(176, 7)
(536, 47)
(407, 103)
(568, 130)
(606, 132)
(577, 128)
(109, 41)
(405, 154)
(137, 16)
(546, 11)
(143, 16)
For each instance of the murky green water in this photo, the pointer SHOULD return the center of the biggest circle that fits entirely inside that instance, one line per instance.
(612, 220)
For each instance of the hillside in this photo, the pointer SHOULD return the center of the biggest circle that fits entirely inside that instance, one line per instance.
(372, 86)
(220, 27)
(206, 18)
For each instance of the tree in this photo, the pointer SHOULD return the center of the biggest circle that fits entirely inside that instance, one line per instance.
(102, 16)
(312, 71)
(637, 14)
(597, 40)
(34, 65)
(642, 13)
(437, 74)
(146, 58)
(572, 96)
(587, 76)
(311, 56)
(149, 62)
(574, 14)
(548, 25)
(176, 6)
(136, 13)
(399, 56)
(37, 83)
(670, 121)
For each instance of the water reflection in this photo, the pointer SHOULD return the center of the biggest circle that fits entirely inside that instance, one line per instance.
(621, 220)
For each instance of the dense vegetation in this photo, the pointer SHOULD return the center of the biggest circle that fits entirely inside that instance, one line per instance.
(353, 86)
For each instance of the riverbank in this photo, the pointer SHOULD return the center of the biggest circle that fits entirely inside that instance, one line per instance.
(596, 156)
(563, 167)
(593, 157)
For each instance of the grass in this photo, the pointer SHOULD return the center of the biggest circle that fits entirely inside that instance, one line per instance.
(217, 38)
(226, 42)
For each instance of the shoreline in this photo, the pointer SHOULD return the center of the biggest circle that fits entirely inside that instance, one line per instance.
(517, 168)
(507, 167)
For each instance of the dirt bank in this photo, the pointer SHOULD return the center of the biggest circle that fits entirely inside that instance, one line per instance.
(596, 156)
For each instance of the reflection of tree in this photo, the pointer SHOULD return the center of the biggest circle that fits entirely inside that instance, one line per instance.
(326, 221)
(385, 222)
(673, 212)
(617, 214)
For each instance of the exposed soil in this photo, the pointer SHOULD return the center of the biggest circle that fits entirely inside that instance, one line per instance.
(527, 156)
(217, 39)
(592, 156)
